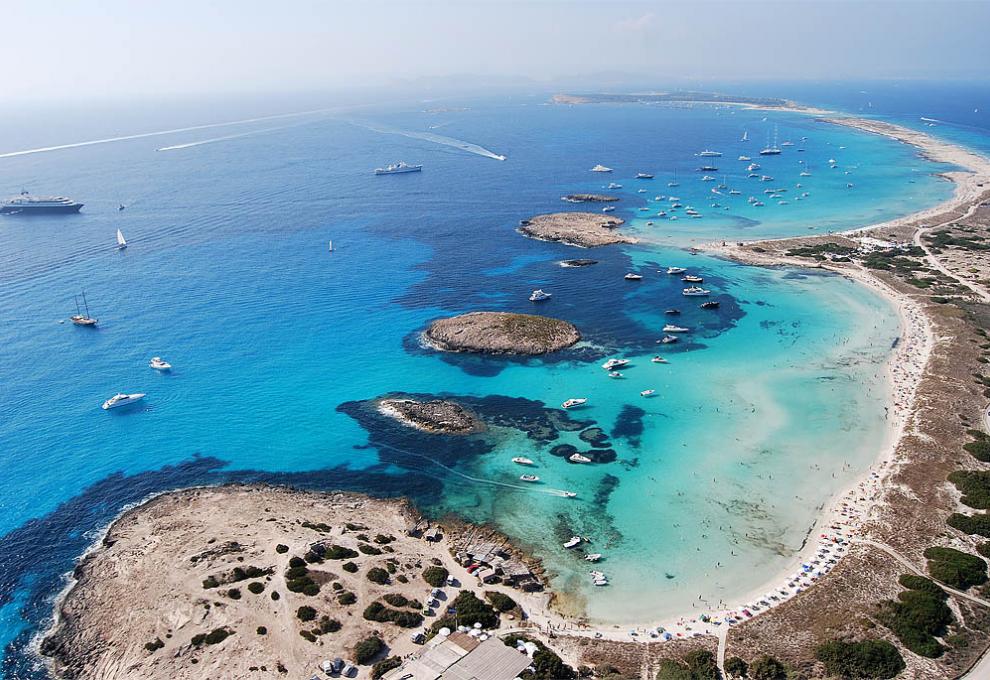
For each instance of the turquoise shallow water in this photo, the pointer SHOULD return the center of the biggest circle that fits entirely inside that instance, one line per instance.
(277, 342)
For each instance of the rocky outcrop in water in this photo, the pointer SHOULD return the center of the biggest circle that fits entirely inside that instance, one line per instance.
(501, 333)
(436, 415)
(582, 229)
(580, 262)
(589, 198)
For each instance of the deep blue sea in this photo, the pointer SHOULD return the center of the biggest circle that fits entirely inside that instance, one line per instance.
(768, 406)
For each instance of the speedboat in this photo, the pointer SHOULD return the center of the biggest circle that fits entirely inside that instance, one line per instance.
(690, 278)
(613, 185)
(734, 192)
(601, 168)
(673, 311)
(571, 403)
(695, 291)
(568, 494)
(647, 393)
(671, 328)
(615, 363)
(519, 460)
(539, 295)
(707, 178)
(659, 360)
(160, 364)
(641, 191)
(593, 557)
(119, 400)
(529, 478)
(752, 166)
(643, 175)
(745, 158)
(710, 154)
(578, 458)
(676, 270)
(766, 178)
(614, 374)
(632, 277)
(668, 339)
(573, 543)
(711, 304)
(608, 209)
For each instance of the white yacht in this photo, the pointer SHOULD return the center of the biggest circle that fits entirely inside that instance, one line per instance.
(81, 319)
(571, 403)
(398, 168)
(519, 460)
(707, 178)
(753, 166)
(695, 291)
(568, 494)
(614, 185)
(671, 328)
(601, 168)
(643, 175)
(540, 295)
(593, 557)
(608, 209)
(707, 153)
(668, 339)
(119, 400)
(692, 279)
(121, 243)
(659, 360)
(615, 363)
(578, 458)
(615, 374)
(573, 543)
(676, 270)
(745, 158)
(632, 277)
(647, 393)
(529, 478)
(160, 364)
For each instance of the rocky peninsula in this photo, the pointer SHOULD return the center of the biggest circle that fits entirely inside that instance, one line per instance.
(501, 333)
(582, 229)
(439, 416)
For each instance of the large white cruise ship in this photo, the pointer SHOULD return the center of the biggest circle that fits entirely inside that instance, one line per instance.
(396, 168)
(26, 204)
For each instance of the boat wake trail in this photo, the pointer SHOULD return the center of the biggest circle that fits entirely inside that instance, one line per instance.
(158, 133)
(431, 137)
(188, 145)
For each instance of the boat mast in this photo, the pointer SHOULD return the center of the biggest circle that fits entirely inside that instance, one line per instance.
(85, 304)
(76, 298)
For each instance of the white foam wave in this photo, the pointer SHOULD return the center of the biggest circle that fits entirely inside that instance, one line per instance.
(189, 145)
(431, 137)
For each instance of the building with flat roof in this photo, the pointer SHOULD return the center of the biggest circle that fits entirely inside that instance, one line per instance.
(460, 656)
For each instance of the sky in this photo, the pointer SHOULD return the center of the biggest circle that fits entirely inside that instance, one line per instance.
(76, 49)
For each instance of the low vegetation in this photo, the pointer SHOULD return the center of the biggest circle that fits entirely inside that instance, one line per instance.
(546, 664)
(436, 576)
(977, 525)
(974, 485)
(378, 575)
(384, 666)
(366, 650)
(214, 637)
(500, 601)
(698, 664)
(376, 611)
(866, 659)
(767, 668)
(955, 568)
(918, 616)
(979, 448)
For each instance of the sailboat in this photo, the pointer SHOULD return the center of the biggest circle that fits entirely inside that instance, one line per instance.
(745, 137)
(674, 182)
(771, 149)
(121, 243)
(81, 319)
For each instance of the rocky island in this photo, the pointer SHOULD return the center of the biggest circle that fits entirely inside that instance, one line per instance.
(440, 416)
(589, 198)
(501, 333)
(582, 229)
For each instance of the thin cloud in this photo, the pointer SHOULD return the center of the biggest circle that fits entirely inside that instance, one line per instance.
(636, 25)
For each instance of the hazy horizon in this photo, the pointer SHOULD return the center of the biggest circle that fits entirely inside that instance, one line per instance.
(119, 49)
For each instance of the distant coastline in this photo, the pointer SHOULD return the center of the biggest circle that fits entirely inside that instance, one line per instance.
(710, 98)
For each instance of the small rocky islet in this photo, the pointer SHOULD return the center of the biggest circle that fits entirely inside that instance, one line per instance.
(440, 416)
(580, 229)
(589, 198)
(501, 333)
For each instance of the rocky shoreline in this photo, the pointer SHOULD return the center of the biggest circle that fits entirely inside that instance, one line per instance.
(501, 333)
(581, 229)
(438, 416)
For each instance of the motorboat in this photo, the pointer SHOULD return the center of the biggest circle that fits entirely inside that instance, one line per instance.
(658, 360)
(752, 167)
(710, 304)
(695, 291)
(578, 458)
(673, 311)
(574, 542)
(671, 328)
(676, 270)
(692, 279)
(528, 478)
(608, 209)
(118, 400)
(647, 393)
(766, 178)
(539, 295)
(707, 153)
(734, 192)
(568, 494)
(643, 175)
(601, 168)
(745, 158)
(615, 363)
(571, 403)
(641, 191)
(707, 178)
(668, 339)
(615, 374)
(159, 364)
(614, 185)
(519, 460)
(632, 277)
(593, 557)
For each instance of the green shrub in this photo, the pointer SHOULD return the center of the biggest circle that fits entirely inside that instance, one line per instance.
(500, 601)
(339, 552)
(296, 561)
(378, 575)
(470, 610)
(918, 616)
(546, 664)
(307, 635)
(979, 449)
(978, 524)
(349, 567)
(382, 539)
(313, 557)
(210, 582)
(974, 485)
(767, 668)
(369, 549)
(736, 667)
(275, 596)
(368, 649)
(281, 548)
(154, 645)
(311, 589)
(234, 594)
(261, 630)
(376, 611)
(984, 548)
(866, 659)
(244, 573)
(328, 625)
(702, 664)
(955, 568)
(914, 582)
(217, 635)
(395, 599)
(436, 576)
(347, 597)
(673, 670)
(256, 587)
(384, 666)
(337, 586)
(305, 613)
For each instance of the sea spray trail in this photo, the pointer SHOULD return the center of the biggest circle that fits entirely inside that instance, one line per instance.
(142, 135)
(188, 145)
(430, 137)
